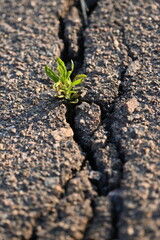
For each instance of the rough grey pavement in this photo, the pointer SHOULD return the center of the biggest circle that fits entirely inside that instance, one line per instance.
(86, 172)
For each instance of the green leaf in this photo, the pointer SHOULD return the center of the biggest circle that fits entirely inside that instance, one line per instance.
(78, 79)
(69, 74)
(77, 88)
(51, 74)
(60, 96)
(79, 76)
(75, 101)
(72, 66)
(62, 70)
(73, 92)
(61, 64)
(77, 82)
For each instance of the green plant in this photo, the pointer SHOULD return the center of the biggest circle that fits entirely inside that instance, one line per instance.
(65, 87)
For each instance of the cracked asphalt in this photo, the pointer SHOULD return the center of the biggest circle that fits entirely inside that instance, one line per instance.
(86, 172)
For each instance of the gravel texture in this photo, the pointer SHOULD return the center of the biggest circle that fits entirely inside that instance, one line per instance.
(88, 172)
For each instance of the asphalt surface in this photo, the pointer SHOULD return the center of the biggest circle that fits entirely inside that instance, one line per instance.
(86, 172)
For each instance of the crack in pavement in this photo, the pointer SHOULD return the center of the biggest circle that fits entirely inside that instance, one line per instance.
(70, 116)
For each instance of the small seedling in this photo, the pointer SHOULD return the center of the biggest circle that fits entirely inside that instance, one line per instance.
(65, 87)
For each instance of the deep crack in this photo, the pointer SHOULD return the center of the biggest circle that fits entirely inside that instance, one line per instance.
(64, 53)
(34, 233)
(116, 200)
(71, 34)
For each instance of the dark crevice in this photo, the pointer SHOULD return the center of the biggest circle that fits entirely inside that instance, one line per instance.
(64, 53)
(107, 118)
(66, 56)
(34, 230)
(78, 61)
(34, 235)
(90, 5)
(116, 210)
(121, 89)
(70, 117)
(70, 114)
(116, 200)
